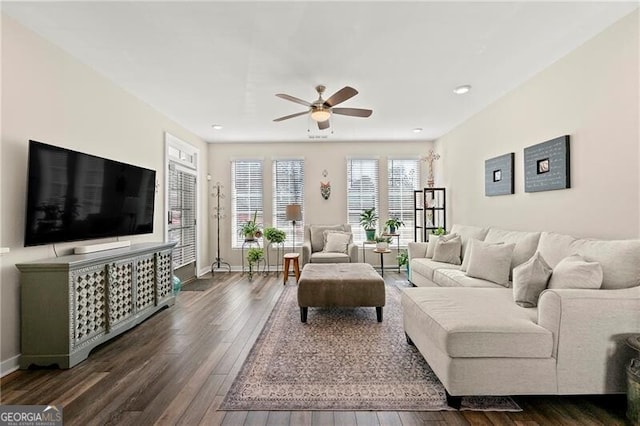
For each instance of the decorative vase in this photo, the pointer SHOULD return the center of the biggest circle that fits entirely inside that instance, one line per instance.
(382, 246)
(392, 229)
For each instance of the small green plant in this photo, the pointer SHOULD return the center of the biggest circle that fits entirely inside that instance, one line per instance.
(254, 256)
(382, 239)
(250, 230)
(275, 235)
(393, 224)
(369, 221)
(440, 231)
(403, 258)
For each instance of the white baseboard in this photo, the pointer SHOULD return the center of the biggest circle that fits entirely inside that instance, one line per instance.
(9, 366)
(99, 247)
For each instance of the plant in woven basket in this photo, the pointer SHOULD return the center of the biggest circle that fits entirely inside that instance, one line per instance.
(254, 257)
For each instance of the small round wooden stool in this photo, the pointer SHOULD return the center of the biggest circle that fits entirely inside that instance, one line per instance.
(296, 266)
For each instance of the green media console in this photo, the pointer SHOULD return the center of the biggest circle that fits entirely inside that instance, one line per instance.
(71, 304)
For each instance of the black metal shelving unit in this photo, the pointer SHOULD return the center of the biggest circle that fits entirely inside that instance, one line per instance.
(429, 212)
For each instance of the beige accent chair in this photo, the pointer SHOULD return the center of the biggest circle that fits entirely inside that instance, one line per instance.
(313, 245)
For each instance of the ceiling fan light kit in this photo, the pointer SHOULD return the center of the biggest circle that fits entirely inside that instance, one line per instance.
(320, 114)
(321, 110)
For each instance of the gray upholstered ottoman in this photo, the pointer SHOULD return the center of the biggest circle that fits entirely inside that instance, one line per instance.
(327, 285)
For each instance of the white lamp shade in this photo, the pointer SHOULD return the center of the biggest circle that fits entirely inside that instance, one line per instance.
(294, 212)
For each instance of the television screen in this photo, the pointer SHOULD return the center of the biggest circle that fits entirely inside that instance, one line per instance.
(74, 196)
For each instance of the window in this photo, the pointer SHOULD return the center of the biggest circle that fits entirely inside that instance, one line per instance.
(246, 179)
(404, 178)
(181, 204)
(182, 213)
(288, 188)
(362, 192)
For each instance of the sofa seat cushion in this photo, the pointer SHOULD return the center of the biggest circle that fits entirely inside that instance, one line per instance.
(426, 267)
(326, 257)
(477, 322)
(457, 278)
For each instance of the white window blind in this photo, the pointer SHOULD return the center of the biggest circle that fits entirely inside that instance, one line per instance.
(288, 188)
(362, 192)
(246, 180)
(404, 178)
(182, 214)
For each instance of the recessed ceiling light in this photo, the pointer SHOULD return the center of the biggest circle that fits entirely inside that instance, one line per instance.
(417, 130)
(461, 90)
(216, 126)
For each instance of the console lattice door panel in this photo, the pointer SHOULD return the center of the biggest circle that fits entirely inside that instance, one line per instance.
(89, 300)
(146, 278)
(163, 275)
(120, 291)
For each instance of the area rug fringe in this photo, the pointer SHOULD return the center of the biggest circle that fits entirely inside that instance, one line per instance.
(341, 359)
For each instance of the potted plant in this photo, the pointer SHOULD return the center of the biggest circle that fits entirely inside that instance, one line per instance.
(254, 257)
(369, 221)
(251, 230)
(393, 224)
(274, 235)
(382, 243)
(403, 259)
(439, 231)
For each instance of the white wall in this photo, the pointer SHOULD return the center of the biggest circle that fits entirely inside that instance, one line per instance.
(318, 156)
(592, 95)
(49, 96)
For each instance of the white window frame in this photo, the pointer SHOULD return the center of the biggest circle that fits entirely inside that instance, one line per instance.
(405, 206)
(364, 165)
(236, 239)
(187, 157)
(280, 201)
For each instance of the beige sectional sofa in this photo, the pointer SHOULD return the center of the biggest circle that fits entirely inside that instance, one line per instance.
(480, 342)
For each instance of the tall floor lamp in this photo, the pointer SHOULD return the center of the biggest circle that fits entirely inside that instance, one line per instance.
(294, 212)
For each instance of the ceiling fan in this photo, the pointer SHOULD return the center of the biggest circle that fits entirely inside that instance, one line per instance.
(321, 110)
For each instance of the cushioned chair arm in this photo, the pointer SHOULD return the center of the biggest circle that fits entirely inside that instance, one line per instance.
(306, 253)
(353, 252)
(589, 330)
(416, 250)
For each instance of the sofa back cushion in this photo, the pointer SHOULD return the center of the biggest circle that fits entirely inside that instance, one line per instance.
(526, 243)
(316, 234)
(468, 232)
(620, 259)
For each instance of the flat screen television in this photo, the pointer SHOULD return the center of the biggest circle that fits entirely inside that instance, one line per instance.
(73, 196)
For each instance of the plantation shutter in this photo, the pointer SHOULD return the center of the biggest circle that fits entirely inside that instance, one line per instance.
(288, 188)
(362, 192)
(246, 179)
(182, 213)
(404, 178)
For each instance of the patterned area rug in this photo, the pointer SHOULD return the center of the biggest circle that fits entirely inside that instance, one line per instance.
(341, 359)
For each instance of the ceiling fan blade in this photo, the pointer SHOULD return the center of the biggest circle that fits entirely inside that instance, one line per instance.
(354, 112)
(323, 124)
(286, 117)
(293, 99)
(341, 95)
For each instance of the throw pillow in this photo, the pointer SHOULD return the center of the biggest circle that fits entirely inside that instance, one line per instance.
(431, 245)
(576, 272)
(447, 249)
(529, 280)
(336, 242)
(467, 253)
(491, 262)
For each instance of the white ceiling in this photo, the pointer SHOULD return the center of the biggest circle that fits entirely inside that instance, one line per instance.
(204, 63)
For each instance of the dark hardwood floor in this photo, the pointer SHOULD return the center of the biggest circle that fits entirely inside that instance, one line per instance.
(176, 368)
